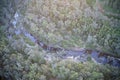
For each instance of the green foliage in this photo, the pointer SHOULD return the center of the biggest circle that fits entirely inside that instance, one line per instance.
(91, 3)
(3, 40)
(35, 67)
(109, 37)
(111, 5)
(27, 40)
(65, 24)
(68, 25)
(96, 76)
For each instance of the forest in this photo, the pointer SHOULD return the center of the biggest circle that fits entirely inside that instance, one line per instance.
(60, 40)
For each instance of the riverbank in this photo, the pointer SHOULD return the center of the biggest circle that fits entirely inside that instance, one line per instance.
(39, 44)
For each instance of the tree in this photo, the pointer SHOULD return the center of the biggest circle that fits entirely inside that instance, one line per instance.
(113, 4)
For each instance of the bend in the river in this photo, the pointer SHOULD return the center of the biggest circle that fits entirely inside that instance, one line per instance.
(80, 55)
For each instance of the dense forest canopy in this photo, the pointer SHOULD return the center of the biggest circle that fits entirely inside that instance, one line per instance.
(59, 39)
(115, 4)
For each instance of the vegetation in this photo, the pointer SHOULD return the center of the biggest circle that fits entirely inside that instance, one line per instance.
(112, 5)
(61, 23)
(91, 3)
(111, 8)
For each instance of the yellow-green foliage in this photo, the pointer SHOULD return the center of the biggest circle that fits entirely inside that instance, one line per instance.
(63, 24)
(69, 24)
(91, 3)
(27, 40)
(59, 21)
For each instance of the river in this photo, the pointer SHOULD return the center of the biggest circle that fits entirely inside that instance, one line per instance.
(77, 55)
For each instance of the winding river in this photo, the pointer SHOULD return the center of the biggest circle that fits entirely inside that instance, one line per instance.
(81, 55)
